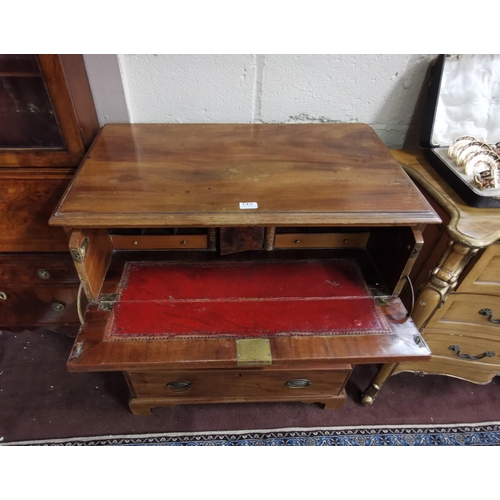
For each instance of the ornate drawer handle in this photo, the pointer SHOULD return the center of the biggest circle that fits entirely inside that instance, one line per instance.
(456, 348)
(489, 313)
(179, 386)
(3, 296)
(298, 383)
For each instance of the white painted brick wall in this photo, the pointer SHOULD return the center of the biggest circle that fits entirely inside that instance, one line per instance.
(381, 90)
(189, 88)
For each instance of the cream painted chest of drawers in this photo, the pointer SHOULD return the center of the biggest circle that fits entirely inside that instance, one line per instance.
(456, 282)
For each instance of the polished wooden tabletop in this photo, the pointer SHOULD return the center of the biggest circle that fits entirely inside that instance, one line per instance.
(156, 175)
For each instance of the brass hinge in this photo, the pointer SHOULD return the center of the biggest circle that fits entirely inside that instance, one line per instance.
(382, 300)
(107, 301)
(77, 350)
(80, 253)
(419, 340)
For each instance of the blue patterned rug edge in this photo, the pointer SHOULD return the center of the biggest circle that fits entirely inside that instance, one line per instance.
(467, 434)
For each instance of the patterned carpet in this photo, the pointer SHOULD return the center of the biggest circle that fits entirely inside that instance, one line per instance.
(42, 404)
(481, 434)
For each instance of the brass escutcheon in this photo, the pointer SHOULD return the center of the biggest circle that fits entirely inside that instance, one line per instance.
(58, 306)
(43, 274)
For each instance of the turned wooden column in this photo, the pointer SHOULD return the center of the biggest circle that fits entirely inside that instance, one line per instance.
(442, 281)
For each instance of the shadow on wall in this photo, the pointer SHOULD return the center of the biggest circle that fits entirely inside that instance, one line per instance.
(399, 120)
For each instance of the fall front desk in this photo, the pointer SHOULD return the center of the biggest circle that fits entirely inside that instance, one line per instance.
(241, 263)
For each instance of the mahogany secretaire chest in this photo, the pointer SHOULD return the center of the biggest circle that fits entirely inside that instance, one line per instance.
(238, 263)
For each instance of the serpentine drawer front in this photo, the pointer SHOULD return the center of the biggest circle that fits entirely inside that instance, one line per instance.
(468, 347)
(468, 313)
(465, 356)
(484, 277)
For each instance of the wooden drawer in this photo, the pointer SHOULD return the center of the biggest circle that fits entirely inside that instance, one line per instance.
(38, 304)
(464, 345)
(160, 242)
(484, 277)
(446, 361)
(461, 313)
(320, 240)
(239, 384)
(37, 268)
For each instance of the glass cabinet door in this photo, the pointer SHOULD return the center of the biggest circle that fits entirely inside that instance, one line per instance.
(26, 112)
(47, 114)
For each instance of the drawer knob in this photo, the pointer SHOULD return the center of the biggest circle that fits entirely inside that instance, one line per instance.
(43, 274)
(489, 314)
(297, 241)
(58, 306)
(183, 242)
(298, 383)
(3, 296)
(179, 386)
(456, 348)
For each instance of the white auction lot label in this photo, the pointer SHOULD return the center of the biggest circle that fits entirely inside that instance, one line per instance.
(248, 205)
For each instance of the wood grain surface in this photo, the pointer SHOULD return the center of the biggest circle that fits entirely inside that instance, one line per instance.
(263, 381)
(154, 175)
(92, 269)
(28, 198)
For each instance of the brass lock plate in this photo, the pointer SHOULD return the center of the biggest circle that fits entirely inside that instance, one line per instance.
(251, 352)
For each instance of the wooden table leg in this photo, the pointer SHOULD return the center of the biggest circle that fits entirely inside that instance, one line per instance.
(137, 407)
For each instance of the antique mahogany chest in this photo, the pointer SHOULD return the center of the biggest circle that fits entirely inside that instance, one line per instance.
(236, 263)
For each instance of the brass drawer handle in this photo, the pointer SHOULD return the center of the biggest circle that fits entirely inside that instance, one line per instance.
(456, 348)
(179, 386)
(298, 383)
(489, 313)
(3, 296)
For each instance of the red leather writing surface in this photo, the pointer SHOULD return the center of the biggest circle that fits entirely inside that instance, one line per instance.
(244, 299)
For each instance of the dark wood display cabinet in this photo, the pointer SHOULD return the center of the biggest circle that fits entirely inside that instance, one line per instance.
(47, 122)
(242, 263)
